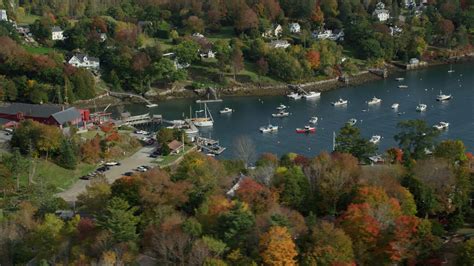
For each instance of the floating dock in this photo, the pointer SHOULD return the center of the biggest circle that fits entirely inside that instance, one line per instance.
(209, 145)
(209, 101)
(129, 120)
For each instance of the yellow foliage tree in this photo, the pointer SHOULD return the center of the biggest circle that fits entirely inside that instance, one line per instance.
(277, 247)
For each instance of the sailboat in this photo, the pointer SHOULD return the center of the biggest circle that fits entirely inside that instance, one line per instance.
(206, 121)
(451, 70)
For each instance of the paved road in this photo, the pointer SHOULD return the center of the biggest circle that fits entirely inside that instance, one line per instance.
(127, 165)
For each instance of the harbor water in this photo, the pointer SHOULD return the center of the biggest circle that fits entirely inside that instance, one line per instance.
(253, 112)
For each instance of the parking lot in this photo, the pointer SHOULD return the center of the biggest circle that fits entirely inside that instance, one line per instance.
(115, 172)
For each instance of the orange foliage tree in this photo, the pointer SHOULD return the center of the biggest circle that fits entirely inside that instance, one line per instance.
(256, 195)
(277, 247)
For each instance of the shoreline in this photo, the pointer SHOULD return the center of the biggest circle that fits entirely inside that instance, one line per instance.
(361, 78)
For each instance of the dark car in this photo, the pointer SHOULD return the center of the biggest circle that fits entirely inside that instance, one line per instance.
(103, 168)
(85, 177)
(128, 174)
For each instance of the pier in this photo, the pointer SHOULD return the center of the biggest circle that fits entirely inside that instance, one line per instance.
(128, 120)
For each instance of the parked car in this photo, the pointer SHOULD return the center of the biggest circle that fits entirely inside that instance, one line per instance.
(103, 168)
(85, 177)
(128, 174)
(153, 155)
(113, 163)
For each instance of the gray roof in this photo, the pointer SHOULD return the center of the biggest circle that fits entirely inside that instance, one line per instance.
(67, 115)
(56, 29)
(80, 57)
(37, 110)
(41, 110)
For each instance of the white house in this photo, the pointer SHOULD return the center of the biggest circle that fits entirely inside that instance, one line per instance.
(294, 27)
(395, 31)
(176, 63)
(329, 34)
(207, 54)
(84, 61)
(57, 34)
(280, 44)
(414, 61)
(103, 37)
(381, 13)
(3, 15)
(198, 35)
(275, 31)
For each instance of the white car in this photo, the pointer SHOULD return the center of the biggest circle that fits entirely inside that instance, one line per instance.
(113, 163)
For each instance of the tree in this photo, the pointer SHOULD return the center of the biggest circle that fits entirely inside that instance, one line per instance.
(262, 66)
(119, 219)
(235, 225)
(329, 246)
(293, 187)
(246, 20)
(466, 253)
(331, 177)
(67, 158)
(16, 165)
(277, 247)
(187, 52)
(194, 24)
(237, 59)
(47, 237)
(416, 138)
(451, 150)
(313, 58)
(257, 196)
(349, 140)
(94, 198)
(245, 150)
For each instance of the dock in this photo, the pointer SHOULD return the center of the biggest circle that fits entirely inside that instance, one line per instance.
(209, 101)
(209, 146)
(128, 120)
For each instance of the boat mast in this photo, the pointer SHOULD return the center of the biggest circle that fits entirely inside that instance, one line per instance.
(333, 141)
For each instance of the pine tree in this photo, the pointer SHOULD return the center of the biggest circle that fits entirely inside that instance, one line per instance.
(67, 157)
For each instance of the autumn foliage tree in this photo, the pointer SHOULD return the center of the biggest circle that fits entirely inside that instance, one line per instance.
(277, 247)
(258, 196)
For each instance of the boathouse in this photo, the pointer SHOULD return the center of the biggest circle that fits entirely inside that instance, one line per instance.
(48, 114)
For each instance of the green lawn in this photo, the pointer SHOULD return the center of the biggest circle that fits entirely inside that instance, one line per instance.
(27, 19)
(49, 173)
(226, 33)
(165, 161)
(38, 50)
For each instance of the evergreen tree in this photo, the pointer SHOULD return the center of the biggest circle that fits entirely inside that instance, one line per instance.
(67, 157)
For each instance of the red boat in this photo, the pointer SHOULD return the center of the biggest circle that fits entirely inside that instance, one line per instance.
(306, 129)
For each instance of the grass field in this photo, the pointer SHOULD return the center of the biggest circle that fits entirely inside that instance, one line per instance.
(27, 19)
(170, 159)
(53, 175)
(38, 50)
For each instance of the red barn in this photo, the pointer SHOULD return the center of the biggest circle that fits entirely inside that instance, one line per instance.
(48, 114)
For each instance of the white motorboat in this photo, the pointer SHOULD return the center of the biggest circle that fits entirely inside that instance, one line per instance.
(226, 110)
(403, 86)
(269, 128)
(399, 79)
(374, 100)
(352, 121)
(206, 121)
(395, 106)
(442, 126)
(443, 97)
(312, 94)
(281, 107)
(375, 139)
(421, 107)
(313, 120)
(151, 105)
(281, 114)
(294, 96)
(339, 102)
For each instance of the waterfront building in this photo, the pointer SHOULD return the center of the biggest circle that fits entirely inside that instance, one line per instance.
(85, 61)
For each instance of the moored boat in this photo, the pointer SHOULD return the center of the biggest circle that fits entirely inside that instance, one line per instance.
(443, 97)
(400, 79)
(313, 120)
(206, 121)
(306, 129)
(441, 126)
(403, 86)
(339, 102)
(268, 129)
(375, 139)
(421, 107)
(294, 96)
(281, 107)
(281, 114)
(312, 94)
(374, 100)
(226, 110)
(352, 121)
(395, 106)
